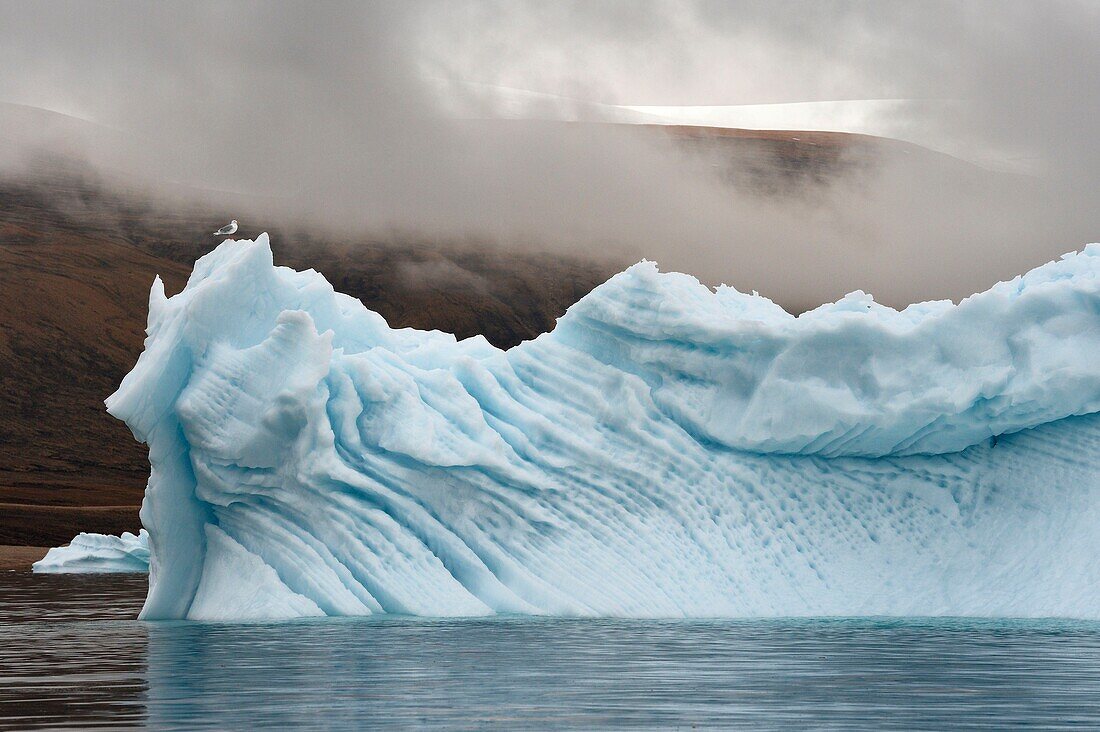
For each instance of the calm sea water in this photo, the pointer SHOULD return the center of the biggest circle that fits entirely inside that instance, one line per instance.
(71, 654)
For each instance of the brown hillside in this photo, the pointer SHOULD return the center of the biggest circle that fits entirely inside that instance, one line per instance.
(76, 263)
(77, 258)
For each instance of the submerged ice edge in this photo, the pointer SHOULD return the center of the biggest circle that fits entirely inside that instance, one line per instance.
(667, 450)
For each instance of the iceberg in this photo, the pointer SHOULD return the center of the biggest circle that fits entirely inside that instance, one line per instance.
(88, 553)
(668, 450)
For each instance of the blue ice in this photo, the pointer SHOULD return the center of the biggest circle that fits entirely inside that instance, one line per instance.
(667, 450)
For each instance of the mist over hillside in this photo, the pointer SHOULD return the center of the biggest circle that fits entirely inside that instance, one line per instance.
(77, 257)
(81, 243)
(388, 119)
(483, 189)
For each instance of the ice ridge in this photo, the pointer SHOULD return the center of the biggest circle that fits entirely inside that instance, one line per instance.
(667, 450)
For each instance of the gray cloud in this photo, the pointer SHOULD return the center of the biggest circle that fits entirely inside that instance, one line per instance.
(336, 110)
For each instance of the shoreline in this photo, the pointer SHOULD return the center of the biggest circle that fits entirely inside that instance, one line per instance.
(43, 525)
(20, 558)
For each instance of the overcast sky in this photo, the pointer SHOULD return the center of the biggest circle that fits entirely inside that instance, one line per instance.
(351, 110)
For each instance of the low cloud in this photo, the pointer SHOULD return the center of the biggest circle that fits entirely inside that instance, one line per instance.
(341, 115)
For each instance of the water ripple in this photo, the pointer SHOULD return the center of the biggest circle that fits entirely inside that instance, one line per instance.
(72, 655)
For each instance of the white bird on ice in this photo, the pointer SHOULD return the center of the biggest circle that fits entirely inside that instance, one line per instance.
(228, 229)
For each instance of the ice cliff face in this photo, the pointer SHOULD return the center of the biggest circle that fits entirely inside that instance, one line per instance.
(98, 553)
(667, 450)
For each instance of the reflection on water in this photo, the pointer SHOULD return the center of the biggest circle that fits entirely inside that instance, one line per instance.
(70, 654)
(70, 651)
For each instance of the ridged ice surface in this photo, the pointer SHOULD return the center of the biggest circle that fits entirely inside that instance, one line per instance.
(89, 552)
(667, 450)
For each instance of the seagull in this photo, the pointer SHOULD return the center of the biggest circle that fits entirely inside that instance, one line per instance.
(228, 229)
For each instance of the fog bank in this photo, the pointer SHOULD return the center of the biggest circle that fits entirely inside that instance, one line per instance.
(377, 118)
